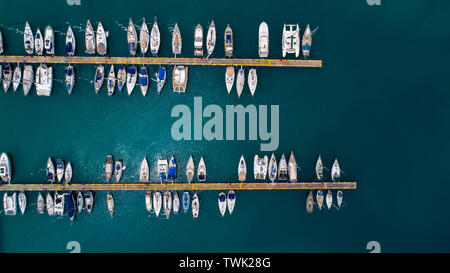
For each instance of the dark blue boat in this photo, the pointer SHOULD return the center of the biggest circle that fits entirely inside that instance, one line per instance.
(70, 205)
(172, 175)
(186, 201)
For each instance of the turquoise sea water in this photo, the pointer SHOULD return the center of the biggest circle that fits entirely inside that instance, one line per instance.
(380, 104)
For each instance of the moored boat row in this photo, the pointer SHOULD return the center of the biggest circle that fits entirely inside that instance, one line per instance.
(252, 80)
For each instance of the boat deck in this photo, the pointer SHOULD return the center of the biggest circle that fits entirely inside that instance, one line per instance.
(180, 186)
(161, 61)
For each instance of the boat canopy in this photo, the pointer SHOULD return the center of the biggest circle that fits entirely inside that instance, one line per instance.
(143, 81)
(131, 69)
(306, 47)
(222, 198)
(69, 47)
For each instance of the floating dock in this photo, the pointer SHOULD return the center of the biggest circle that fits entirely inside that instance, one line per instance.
(160, 61)
(180, 186)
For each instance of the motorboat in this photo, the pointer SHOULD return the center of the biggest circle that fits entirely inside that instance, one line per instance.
(144, 37)
(157, 202)
(335, 171)
(228, 40)
(40, 204)
(176, 203)
(89, 201)
(110, 203)
(7, 76)
(27, 79)
(291, 40)
(231, 201)
(10, 204)
(59, 169)
(38, 43)
(118, 170)
(68, 173)
(132, 38)
(319, 199)
(144, 171)
(80, 202)
(172, 173)
(222, 201)
(143, 80)
(49, 41)
(319, 169)
(329, 199)
(198, 40)
(99, 78)
(211, 38)
(186, 201)
(310, 202)
(44, 80)
(190, 169)
(49, 204)
(201, 171)
(163, 169)
(70, 205)
(252, 81)
(160, 79)
(272, 168)
(89, 38)
(70, 42)
(17, 77)
(282, 169)
(292, 168)
(5, 168)
(339, 197)
(50, 171)
(121, 77)
(111, 82)
(28, 39)
(179, 78)
(155, 39)
(306, 42)
(101, 40)
(260, 167)
(59, 204)
(240, 81)
(229, 78)
(195, 206)
(69, 78)
(22, 200)
(176, 40)
(131, 78)
(148, 201)
(242, 169)
(109, 163)
(263, 40)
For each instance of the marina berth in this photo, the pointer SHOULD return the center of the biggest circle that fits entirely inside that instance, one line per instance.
(49, 204)
(229, 78)
(70, 42)
(49, 41)
(143, 80)
(131, 78)
(69, 78)
(111, 83)
(160, 79)
(5, 168)
(99, 78)
(176, 40)
(252, 81)
(291, 40)
(180, 77)
(69, 205)
(263, 40)
(28, 39)
(101, 42)
(198, 40)
(157, 202)
(39, 43)
(155, 39)
(27, 79)
(144, 37)
(228, 41)
(89, 38)
(211, 39)
(132, 38)
(306, 42)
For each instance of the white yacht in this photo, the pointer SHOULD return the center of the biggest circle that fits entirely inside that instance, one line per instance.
(27, 79)
(69, 78)
(144, 37)
(272, 171)
(240, 82)
(306, 42)
(329, 199)
(211, 38)
(80, 202)
(155, 38)
(143, 80)
(222, 201)
(260, 167)
(263, 39)
(111, 82)
(101, 40)
(59, 169)
(49, 204)
(190, 169)
(99, 78)
(110, 203)
(118, 170)
(7, 76)
(198, 40)
(180, 77)
(5, 168)
(131, 78)
(22, 200)
(176, 40)
(38, 43)
(242, 169)
(49, 41)
(28, 39)
(148, 201)
(10, 204)
(201, 171)
(144, 171)
(335, 171)
(167, 203)
(228, 40)
(109, 163)
(291, 40)
(89, 38)
(252, 81)
(59, 204)
(195, 206)
(229, 78)
(121, 77)
(132, 38)
(40, 204)
(319, 199)
(50, 171)
(176, 203)
(319, 169)
(157, 202)
(282, 169)
(231, 201)
(292, 168)
(70, 42)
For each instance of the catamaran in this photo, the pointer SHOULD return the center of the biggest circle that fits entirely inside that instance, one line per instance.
(59, 169)
(263, 39)
(70, 42)
(148, 201)
(319, 169)
(89, 38)
(176, 203)
(310, 202)
(201, 171)
(163, 169)
(69, 78)
(186, 201)
(176, 40)
(99, 78)
(160, 79)
(252, 81)
(44, 80)
(272, 168)
(329, 199)
(292, 168)
(10, 204)
(50, 171)
(242, 169)
(68, 173)
(195, 206)
(121, 77)
(167, 203)
(118, 170)
(155, 38)
(190, 169)
(131, 78)
(198, 40)
(143, 80)
(27, 79)
(335, 171)
(7, 76)
(28, 39)
(306, 41)
(222, 201)
(38, 43)
(260, 167)
(40, 204)
(180, 77)
(228, 40)
(282, 169)
(319, 199)
(240, 82)
(211, 38)
(231, 201)
(49, 40)
(157, 202)
(144, 37)
(172, 173)
(111, 82)
(101, 40)
(89, 201)
(291, 40)
(109, 163)
(229, 78)
(144, 171)
(110, 203)
(5, 168)
(49, 204)
(132, 38)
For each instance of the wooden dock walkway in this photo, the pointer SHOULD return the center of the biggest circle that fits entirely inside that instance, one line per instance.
(161, 61)
(180, 186)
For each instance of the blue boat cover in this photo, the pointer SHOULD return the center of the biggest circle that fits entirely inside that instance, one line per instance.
(222, 198)
(143, 81)
(69, 48)
(306, 47)
(131, 69)
(161, 74)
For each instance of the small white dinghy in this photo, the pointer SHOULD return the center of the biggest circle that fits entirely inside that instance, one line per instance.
(80, 202)
(240, 81)
(50, 204)
(319, 199)
(148, 201)
(190, 169)
(310, 202)
(252, 81)
(68, 173)
(195, 206)
(231, 201)
(22, 199)
(118, 170)
(272, 168)
(329, 199)
(222, 201)
(17, 77)
(110, 203)
(242, 169)
(229, 78)
(167, 203)
(111, 82)
(40, 204)
(319, 169)
(282, 169)
(211, 39)
(339, 197)
(157, 202)
(144, 171)
(292, 167)
(201, 171)
(176, 203)
(335, 171)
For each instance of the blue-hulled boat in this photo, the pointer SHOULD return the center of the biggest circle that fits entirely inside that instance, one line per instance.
(172, 169)
(186, 201)
(143, 80)
(161, 78)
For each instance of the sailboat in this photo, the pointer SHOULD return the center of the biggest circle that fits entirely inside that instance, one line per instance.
(329, 199)
(28, 39)
(292, 168)
(229, 78)
(70, 205)
(70, 42)
(272, 168)
(163, 169)
(17, 77)
(89, 201)
(160, 79)
(201, 171)
(5, 168)
(310, 202)
(231, 201)
(101, 40)
(69, 78)
(211, 38)
(68, 173)
(22, 200)
(282, 169)
(167, 203)
(10, 204)
(38, 43)
(99, 78)
(240, 81)
(263, 39)
(339, 197)
(132, 38)
(319, 199)
(89, 38)
(148, 201)
(190, 169)
(176, 40)
(144, 171)
(252, 81)
(49, 204)
(50, 171)
(143, 80)
(172, 174)
(260, 167)
(27, 79)
(109, 163)
(131, 78)
(144, 37)
(1, 43)
(222, 201)
(195, 206)
(228, 40)
(198, 40)
(40, 204)
(111, 83)
(157, 202)
(49, 41)
(59, 169)
(121, 77)
(335, 171)
(186, 201)
(176, 203)
(319, 169)
(242, 169)
(7, 76)
(306, 41)
(155, 38)
(118, 170)
(110, 203)
(80, 202)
